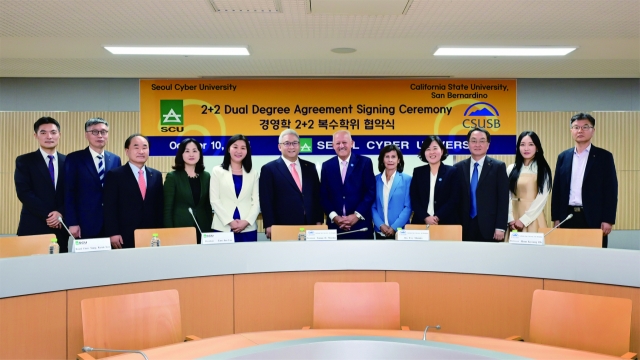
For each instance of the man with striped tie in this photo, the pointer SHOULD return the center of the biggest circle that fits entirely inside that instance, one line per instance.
(84, 173)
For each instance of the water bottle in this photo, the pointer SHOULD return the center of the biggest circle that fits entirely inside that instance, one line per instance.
(54, 248)
(302, 235)
(155, 241)
(397, 231)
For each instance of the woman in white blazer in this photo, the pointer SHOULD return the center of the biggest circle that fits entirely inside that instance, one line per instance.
(234, 192)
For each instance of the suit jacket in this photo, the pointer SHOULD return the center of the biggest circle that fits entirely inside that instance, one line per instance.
(224, 200)
(125, 210)
(445, 193)
(492, 196)
(399, 207)
(356, 194)
(83, 191)
(599, 187)
(38, 195)
(178, 198)
(281, 202)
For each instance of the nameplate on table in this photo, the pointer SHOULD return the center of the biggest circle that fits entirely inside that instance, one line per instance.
(321, 235)
(217, 238)
(414, 235)
(526, 238)
(90, 245)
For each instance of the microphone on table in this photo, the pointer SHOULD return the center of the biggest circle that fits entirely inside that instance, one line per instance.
(194, 220)
(557, 226)
(424, 337)
(71, 238)
(89, 348)
(353, 231)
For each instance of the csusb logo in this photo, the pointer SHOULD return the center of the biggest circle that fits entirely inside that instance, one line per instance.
(482, 115)
(171, 116)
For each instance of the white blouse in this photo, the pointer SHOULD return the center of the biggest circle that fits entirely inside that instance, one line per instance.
(432, 187)
(538, 203)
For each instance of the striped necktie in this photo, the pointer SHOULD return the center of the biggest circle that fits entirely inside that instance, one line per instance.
(101, 169)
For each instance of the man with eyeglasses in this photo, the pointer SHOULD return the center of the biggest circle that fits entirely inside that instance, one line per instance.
(484, 195)
(585, 182)
(289, 187)
(85, 171)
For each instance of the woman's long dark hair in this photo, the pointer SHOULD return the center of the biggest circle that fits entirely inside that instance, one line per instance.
(544, 171)
(246, 162)
(179, 161)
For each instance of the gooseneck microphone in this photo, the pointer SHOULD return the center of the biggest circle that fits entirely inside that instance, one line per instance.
(89, 348)
(424, 336)
(194, 220)
(557, 226)
(71, 238)
(353, 231)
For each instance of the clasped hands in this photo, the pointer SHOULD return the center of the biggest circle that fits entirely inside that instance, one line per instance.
(516, 225)
(345, 222)
(237, 226)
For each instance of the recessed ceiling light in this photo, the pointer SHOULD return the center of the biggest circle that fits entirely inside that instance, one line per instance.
(503, 51)
(343, 50)
(134, 50)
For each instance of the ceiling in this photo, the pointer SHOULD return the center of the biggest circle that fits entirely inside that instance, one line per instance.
(65, 38)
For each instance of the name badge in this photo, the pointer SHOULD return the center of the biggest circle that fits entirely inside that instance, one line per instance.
(414, 235)
(526, 238)
(321, 235)
(90, 245)
(217, 238)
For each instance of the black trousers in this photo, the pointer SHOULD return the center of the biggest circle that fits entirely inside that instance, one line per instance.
(471, 232)
(579, 221)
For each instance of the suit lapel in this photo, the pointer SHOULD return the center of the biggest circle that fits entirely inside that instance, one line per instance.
(243, 189)
(467, 174)
(184, 183)
(486, 168)
(306, 175)
(42, 166)
(284, 170)
(91, 166)
(353, 160)
(568, 166)
(591, 159)
(397, 178)
(151, 180)
(439, 178)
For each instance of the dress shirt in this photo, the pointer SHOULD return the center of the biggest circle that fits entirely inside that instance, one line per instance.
(432, 188)
(135, 170)
(578, 166)
(537, 206)
(340, 162)
(480, 164)
(298, 168)
(94, 156)
(55, 164)
(386, 190)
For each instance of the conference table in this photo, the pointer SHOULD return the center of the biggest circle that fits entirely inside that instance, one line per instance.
(357, 344)
(250, 291)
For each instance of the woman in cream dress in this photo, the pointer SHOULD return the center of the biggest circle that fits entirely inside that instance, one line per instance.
(529, 184)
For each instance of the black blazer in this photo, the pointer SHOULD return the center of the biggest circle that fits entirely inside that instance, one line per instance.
(445, 194)
(125, 210)
(178, 198)
(38, 195)
(492, 196)
(599, 187)
(282, 203)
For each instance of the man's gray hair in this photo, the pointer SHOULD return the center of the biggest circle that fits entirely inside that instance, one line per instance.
(342, 132)
(287, 132)
(94, 121)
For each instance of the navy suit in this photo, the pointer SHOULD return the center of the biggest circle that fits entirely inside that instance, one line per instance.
(83, 191)
(492, 199)
(399, 202)
(125, 210)
(38, 195)
(599, 188)
(282, 202)
(356, 194)
(445, 193)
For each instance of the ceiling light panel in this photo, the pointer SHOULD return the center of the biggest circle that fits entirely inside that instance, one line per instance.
(503, 51)
(132, 50)
(247, 6)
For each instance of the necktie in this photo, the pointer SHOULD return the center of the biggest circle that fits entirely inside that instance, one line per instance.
(52, 171)
(295, 175)
(474, 186)
(343, 172)
(101, 169)
(141, 183)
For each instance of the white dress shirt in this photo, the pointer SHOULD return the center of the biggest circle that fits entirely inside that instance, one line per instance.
(578, 167)
(340, 164)
(432, 188)
(94, 156)
(135, 170)
(480, 165)
(55, 165)
(386, 190)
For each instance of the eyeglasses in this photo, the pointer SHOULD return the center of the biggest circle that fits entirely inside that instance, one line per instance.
(583, 127)
(289, 144)
(96, 132)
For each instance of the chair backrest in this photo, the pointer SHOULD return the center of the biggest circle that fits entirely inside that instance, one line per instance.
(363, 305)
(573, 237)
(132, 322)
(168, 236)
(439, 232)
(11, 246)
(584, 322)
(290, 232)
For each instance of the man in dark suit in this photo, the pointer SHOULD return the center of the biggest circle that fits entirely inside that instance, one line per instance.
(348, 189)
(484, 195)
(585, 184)
(133, 195)
(84, 174)
(289, 187)
(40, 184)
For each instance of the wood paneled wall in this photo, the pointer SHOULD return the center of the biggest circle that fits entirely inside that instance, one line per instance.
(615, 131)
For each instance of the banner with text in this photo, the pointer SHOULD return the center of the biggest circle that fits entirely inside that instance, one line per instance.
(377, 112)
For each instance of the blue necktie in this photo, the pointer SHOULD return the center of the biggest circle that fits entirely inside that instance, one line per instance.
(52, 170)
(474, 186)
(100, 169)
